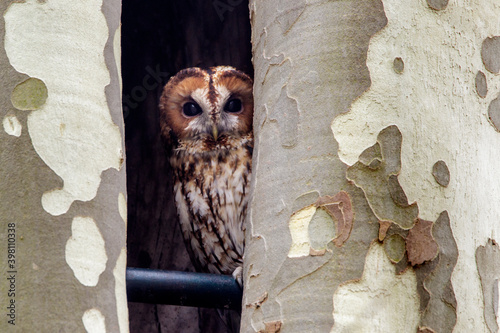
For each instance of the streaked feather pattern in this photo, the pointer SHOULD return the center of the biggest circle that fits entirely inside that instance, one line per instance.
(211, 155)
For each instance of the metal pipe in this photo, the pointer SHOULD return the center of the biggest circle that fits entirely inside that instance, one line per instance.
(183, 288)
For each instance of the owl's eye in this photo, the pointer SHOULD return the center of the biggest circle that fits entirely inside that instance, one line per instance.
(233, 105)
(191, 109)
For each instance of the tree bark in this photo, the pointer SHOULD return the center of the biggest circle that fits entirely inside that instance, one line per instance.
(62, 172)
(376, 127)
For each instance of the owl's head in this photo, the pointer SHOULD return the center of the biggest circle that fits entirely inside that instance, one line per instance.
(206, 106)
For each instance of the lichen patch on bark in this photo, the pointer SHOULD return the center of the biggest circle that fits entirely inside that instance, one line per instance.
(29, 95)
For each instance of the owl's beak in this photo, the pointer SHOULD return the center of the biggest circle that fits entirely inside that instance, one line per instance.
(215, 132)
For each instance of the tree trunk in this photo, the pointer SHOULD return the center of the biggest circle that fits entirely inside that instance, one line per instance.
(377, 134)
(62, 173)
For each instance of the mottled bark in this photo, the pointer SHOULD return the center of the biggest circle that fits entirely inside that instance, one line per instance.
(376, 137)
(62, 172)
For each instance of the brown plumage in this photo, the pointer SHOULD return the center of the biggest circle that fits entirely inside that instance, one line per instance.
(206, 119)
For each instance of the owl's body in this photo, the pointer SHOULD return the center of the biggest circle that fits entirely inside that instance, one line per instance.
(206, 117)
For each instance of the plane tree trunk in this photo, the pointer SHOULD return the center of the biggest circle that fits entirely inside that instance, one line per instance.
(375, 170)
(62, 173)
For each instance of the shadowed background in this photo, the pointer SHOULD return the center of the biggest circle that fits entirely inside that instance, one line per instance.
(159, 38)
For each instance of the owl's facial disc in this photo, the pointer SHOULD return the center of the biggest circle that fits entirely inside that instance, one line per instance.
(212, 119)
(213, 105)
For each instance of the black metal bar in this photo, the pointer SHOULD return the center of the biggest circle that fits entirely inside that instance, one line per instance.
(183, 288)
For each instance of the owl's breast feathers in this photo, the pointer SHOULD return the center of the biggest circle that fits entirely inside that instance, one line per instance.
(211, 194)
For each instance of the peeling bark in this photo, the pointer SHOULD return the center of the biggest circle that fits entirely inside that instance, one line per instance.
(62, 188)
(415, 145)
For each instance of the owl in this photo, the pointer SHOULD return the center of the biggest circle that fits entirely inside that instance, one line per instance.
(206, 118)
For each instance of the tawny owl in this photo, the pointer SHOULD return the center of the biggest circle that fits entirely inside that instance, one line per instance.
(206, 117)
